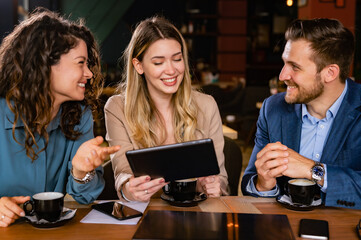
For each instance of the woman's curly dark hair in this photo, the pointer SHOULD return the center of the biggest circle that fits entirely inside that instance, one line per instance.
(26, 57)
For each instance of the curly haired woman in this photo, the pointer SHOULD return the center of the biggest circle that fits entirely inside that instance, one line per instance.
(50, 81)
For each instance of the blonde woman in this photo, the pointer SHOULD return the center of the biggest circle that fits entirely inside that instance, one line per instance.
(156, 106)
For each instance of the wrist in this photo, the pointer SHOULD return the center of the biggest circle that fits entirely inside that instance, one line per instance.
(261, 187)
(85, 179)
(77, 174)
(122, 190)
(317, 172)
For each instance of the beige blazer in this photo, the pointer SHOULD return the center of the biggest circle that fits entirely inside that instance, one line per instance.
(118, 133)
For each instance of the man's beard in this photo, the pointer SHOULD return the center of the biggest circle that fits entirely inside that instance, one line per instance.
(307, 95)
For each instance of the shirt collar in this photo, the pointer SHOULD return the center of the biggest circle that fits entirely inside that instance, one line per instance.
(332, 111)
(55, 123)
(9, 120)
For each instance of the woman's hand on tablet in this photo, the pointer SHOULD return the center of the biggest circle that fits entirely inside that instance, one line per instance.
(142, 188)
(210, 185)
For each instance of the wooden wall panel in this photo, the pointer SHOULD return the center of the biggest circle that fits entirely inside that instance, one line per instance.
(232, 26)
(232, 43)
(231, 77)
(231, 62)
(232, 8)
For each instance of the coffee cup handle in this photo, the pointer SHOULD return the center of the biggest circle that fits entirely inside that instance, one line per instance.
(167, 189)
(31, 211)
(285, 188)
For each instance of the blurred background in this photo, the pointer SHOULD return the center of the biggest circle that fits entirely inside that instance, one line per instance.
(235, 46)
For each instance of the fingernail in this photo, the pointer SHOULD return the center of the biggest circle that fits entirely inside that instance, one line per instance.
(147, 178)
(285, 153)
(22, 214)
(285, 160)
(162, 181)
(94, 152)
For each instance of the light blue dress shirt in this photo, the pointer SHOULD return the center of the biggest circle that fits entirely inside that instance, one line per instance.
(313, 137)
(19, 176)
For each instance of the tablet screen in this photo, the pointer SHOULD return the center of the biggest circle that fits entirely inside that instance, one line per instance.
(175, 161)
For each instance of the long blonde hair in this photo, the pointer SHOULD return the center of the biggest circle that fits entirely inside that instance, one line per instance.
(140, 111)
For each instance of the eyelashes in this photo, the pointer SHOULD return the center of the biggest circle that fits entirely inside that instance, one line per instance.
(160, 63)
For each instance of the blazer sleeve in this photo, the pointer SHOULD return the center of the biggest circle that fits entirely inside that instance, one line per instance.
(210, 125)
(117, 134)
(344, 187)
(344, 171)
(261, 140)
(84, 193)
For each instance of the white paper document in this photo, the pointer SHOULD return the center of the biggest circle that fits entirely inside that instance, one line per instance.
(95, 216)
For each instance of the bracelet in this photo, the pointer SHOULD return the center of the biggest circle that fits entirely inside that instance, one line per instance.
(88, 177)
(122, 194)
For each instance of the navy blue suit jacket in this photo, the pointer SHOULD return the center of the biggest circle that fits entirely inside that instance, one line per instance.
(280, 121)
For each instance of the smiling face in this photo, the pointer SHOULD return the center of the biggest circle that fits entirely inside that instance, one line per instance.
(299, 73)
(70, 74)
(163, 67)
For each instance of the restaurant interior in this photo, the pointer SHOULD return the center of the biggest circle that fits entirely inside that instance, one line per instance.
(235, 49)
(235, 46)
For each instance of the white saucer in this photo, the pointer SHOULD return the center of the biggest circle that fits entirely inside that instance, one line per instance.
(66, 216)
(287, 202)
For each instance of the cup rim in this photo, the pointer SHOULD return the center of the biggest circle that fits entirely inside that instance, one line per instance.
(48, 195)
(187, 180)
(312, 183)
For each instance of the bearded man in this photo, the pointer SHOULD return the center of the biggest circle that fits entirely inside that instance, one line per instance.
(313, 130)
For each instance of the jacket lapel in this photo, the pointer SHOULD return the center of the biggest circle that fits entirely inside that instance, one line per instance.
(343, 123)
(291, 127)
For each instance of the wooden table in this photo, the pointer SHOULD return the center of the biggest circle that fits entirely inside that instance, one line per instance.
(341, 221)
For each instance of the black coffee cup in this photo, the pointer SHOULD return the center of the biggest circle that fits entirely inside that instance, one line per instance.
(45, 205)
(182, 190)
(301, 191)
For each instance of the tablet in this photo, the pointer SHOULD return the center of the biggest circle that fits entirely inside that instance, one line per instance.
(175, 161)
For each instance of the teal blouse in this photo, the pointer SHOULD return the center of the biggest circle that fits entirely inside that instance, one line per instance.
(19, 176)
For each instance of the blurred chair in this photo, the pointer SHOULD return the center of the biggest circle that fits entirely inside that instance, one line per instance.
(109, 192)
(233, 103)
(233, 164)
(244, 108)
(215, 91)
(249, 114)
(251, 96)
(222, 96)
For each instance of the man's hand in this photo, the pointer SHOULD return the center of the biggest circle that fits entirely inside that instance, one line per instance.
(298, 165)
(271, 162)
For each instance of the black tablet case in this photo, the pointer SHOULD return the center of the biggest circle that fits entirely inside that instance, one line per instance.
(211, 225)
(175, 161)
